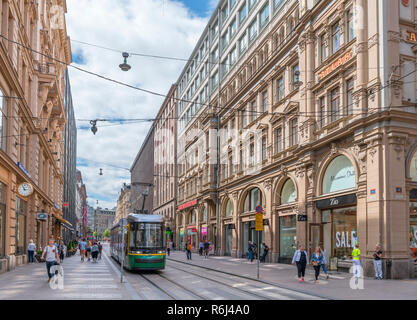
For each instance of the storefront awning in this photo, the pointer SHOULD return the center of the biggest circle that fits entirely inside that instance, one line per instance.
(62, 220)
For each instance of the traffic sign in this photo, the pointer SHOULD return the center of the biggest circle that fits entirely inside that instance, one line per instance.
(259, 222)
(259, 209)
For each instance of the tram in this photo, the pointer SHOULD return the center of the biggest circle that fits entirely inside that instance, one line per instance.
(139, 242)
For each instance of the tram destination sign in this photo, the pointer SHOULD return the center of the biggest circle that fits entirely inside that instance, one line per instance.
(336, 201)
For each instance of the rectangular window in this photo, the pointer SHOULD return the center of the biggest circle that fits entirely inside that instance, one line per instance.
(349, 97)
(233, 56)
(264, 15)
(3, 121)
(277, 4)
(225, 40)
(251, 154)
(20, 230)
(253, 30)
(322, 110)
(225, 13)
(215, 79)
(336, 37)
(263, 148)
(214, 29)
(243, 43)
(230, 166)
(295, 77)
(214, 54)
(225, 66)
(280, 89)
(278, 140)
(242, 14)
(252, 4)
(233, 27)
(232, 3)
(323, 47)
(294, 132)
(335, 104)
(253, 110)
(350, 25)
(264, 101)
(242, 119)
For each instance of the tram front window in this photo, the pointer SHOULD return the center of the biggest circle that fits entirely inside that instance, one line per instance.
(146, 236)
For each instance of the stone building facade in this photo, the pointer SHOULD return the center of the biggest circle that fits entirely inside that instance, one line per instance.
(123, 207)
(33, 118)
(81, 206)
(311, 105)
(165, 160)
(103, 220)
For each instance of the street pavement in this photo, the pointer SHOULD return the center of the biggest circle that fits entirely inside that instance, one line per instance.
(284, 275)
(82, 281)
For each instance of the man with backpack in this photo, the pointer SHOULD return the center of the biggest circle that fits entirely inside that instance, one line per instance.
(100, 249)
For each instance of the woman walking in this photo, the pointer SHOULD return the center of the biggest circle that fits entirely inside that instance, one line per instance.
(317, 261)
(31, 251)
(88, 251)
(323, 265)
(301, 259)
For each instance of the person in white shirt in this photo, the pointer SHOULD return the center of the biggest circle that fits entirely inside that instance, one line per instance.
(31, 251)
(50, 254)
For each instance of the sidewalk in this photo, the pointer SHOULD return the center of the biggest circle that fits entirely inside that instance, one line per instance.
(82, 281)
(337, 287)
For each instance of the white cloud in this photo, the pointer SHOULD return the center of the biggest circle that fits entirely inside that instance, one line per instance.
(143, 26)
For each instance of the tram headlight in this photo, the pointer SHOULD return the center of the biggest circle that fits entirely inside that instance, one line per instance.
(161, 251)
(139, 252)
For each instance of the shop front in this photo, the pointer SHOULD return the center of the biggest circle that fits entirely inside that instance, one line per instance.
(413, 224)
(336, 228)
(250, 234)
(192, 237)
(287, 238)
(228, 238)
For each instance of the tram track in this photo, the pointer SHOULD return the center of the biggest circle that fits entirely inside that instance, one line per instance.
(173, 282)
(295, 291)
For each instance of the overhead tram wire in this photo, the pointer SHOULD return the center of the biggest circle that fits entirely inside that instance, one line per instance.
(140, 89)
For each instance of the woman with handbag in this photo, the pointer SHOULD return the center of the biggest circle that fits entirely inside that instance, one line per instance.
(301, 259)
(317, 261)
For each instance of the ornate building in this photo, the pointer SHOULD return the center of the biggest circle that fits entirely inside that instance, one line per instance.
(312, 107)
(123, 207)
(33, 118)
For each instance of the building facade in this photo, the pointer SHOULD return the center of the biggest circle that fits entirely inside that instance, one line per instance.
(32, 86)
(165, 162)
(81, 206)
(90, 217)
(103, 220)
(123, 207)
(311, 105)
(70, 167)
(142, 175)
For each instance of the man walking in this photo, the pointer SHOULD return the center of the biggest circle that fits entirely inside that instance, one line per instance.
(266, 249)
(52, 258)
(82, 246)
(356, 257)
(378, 262)
(100, 249)
(200, 251)
(189, 251)
(206, 249)
(31, 251)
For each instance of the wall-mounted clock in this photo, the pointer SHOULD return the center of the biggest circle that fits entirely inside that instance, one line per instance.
(25, 189)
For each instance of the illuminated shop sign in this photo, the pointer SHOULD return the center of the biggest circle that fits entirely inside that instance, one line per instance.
(412, 36)
(187, 205)
(336, 64)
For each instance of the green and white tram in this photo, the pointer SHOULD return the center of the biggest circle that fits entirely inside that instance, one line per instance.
(139, 242)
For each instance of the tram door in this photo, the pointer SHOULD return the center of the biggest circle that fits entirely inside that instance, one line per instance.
(316, 237)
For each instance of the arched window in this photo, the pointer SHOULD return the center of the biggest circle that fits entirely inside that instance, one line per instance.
(253, 199)
(413, 167)
(340, 175)
(229, 208)
(288, 192)
(193, 216)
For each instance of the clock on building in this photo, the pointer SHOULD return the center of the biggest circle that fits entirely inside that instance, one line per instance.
(25, 189)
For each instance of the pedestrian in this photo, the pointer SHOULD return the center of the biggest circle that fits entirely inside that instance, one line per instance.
(200, 251)
(31, 251)
(378, 262)
(82, 245)
(168, 249)
(189, 251)
(100, 249)
(61, 250)
(94, 252)
(88, 249)
(255, 250)
(323, 265)
(50, 254)
(250, 251)
(317, 261)
(356, 257)
(206, 249)
(301, 259)
(266, 249)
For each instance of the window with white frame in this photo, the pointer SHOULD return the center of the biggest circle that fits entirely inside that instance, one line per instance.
(280, 89)
(243, 43)
(242, 13)
(233, 27)
(336, 37)
(233, 56)
(253, 30)
(323, 47)
(349, 96)
(278, 140)
(350, 25)
(335, 104)
(264, 16)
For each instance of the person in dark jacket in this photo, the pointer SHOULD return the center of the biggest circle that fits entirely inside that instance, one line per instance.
(266, 249)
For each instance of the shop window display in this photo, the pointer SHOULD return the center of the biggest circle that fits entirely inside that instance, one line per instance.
(288, 236)
(413, 229)
(344, 232)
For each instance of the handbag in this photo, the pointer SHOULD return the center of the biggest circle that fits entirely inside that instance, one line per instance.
(315, 263)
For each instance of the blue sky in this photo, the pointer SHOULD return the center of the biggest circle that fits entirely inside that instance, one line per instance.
(201, 8)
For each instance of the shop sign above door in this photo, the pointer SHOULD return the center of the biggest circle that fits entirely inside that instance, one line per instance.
(336, 201)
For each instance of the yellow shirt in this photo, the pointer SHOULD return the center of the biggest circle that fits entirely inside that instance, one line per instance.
(356, 254)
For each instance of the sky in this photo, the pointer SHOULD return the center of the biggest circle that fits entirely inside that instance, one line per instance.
(156, 27)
